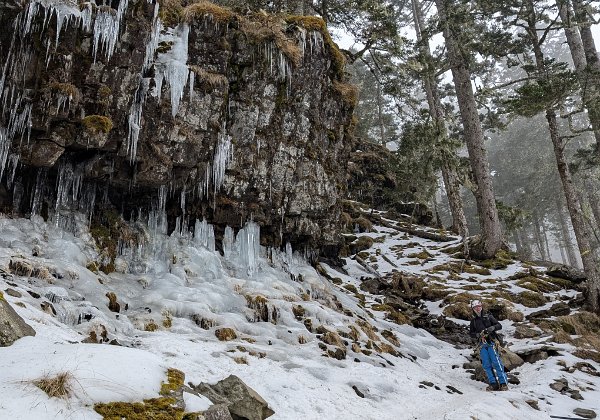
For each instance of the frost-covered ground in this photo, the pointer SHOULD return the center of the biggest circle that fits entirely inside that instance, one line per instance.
(176, 292)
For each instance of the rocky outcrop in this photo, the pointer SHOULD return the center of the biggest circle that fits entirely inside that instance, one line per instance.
(237, 117)
(373, 181)
(12, 326)
(241, 400)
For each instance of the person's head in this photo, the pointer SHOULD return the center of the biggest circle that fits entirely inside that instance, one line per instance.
(477, 306)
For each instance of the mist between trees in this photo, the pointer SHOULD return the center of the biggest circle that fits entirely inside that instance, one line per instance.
(492, 113)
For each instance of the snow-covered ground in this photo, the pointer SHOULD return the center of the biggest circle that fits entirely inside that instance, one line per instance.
(176, 291)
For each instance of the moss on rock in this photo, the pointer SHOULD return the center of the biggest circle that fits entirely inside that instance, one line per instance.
(96, 124)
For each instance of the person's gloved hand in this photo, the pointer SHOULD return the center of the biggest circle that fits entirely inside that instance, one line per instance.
(490, 329)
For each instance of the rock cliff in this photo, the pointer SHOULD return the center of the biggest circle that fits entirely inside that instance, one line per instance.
(188, 108)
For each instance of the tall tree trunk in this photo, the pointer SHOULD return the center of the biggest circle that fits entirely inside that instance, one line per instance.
(565, 234)
(451, 182)
(525, 243)
(582, 234)
(589, 87)
(587, 38)
(491, 231)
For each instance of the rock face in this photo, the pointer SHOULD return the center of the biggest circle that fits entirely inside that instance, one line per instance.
(241, 400)
(371, 180)
(12, 326)
(238, 117)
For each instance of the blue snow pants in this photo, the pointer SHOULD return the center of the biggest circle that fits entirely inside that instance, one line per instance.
(489, 360)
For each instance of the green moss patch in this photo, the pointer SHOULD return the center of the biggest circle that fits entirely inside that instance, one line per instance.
(96, 124)
(531, 299)
(151, 409)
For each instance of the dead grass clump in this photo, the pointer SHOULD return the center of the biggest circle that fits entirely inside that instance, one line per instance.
(203, 9)
(368, 329)
(347, 92)
(209, 79)
(364, 225)
(268, 28)
(58, 386)
(459, 310)
(225, 334)
(314, 23)
(240, 360)
(65, 89)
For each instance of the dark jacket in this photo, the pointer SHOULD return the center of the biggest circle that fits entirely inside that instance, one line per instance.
(480, 323)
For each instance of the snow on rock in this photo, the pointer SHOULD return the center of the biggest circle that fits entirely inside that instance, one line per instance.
(170, 309)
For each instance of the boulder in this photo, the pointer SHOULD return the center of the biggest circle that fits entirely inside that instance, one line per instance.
(523, 331)
(217, 412)
(510, 360)
(585, 413)
(241, 400)
(12, 326)
(534, 354)
(566, 272)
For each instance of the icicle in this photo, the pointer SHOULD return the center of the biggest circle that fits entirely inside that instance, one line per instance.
(135, 118)
(172, 65)
(248, 246)
(191, 82)
(204, 235)
(39, 191)
(152, 43)
(182, 201)
(228, 241)
(106, 29)
(222, 158)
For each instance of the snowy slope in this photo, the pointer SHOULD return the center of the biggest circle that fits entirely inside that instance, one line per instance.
(176, 287)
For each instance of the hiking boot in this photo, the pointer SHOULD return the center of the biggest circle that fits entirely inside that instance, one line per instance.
(492, 387)
(503, 387)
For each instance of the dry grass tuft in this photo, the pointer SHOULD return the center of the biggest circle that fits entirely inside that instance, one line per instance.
(203, 9)
(58, 386)
(209, 79)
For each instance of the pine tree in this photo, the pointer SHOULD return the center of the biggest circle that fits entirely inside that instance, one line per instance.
(459, 58)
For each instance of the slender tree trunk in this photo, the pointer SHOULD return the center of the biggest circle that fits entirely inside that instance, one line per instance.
(563, 257)
(491, 231)
(380, 114)
(537, 233)
(546, 244)
(589, 88)
(451, 182)
(517, 242)
(525, 243)
(566, 235)
(590, 264)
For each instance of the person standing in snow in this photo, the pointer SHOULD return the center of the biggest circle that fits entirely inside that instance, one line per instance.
(483, 328)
